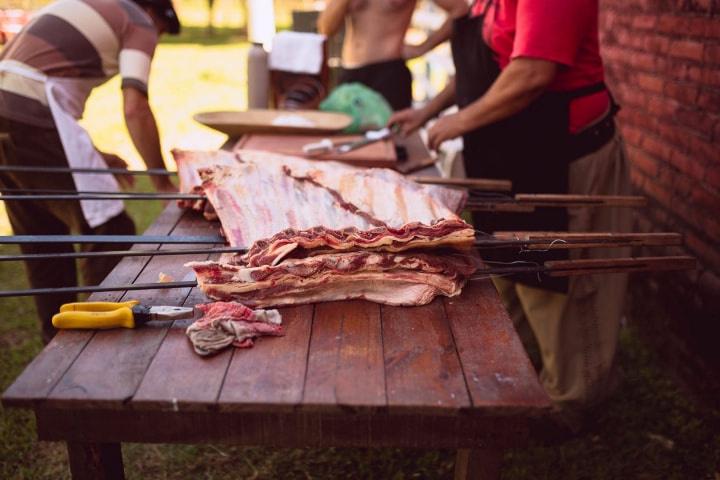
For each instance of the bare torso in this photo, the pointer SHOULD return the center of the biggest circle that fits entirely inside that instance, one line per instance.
(375, 31)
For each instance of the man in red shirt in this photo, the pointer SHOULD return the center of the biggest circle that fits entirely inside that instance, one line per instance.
(534, 109)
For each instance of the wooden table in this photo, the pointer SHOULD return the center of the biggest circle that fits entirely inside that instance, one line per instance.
(451, 374)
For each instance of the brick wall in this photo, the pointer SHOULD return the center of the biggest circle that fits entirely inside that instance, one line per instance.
(663, 65)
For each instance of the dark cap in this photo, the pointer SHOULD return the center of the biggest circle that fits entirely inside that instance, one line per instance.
(165, 9)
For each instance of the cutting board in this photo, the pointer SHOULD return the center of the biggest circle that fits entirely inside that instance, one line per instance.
(237, 123)
(379, 154)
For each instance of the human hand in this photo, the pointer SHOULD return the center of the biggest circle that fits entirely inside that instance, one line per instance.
(114, 161)
(446, 128)
(412, 51)
(408, 120)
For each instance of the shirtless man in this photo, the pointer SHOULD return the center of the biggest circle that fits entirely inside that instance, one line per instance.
(374, 50)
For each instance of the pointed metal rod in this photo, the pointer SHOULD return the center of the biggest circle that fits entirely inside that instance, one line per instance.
(553, 268)
(98, 171)
(528, 240)
(119, 253)
(105, 196)
(488, 184)
(146, 239)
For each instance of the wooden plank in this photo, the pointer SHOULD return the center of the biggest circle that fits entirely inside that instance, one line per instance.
(422, 370)
(345, 362)
(43, 373)
(95, 461)
(376, 155)
(282, 429)
(110, 368)
(497, 370)
(270, 376)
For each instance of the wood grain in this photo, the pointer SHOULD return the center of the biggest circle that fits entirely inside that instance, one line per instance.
(270, 376)
(94, 378)
(422, 370)
(376, 155)
(43, 373)
(499, 375)
(345, 362)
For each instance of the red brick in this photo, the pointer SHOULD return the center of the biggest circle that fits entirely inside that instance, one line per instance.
(662, 107)
(682, 92)
(644, 21)
(711, 77)
(703, 199)
(687, 164)
(704, 26)
(683, 185)
(689, 49)
(712, 177)
(709, 98)
(642, 161)
(632, 136)
(699, 121)
(670, 23)
(651, 83)
(703, 151)
(654, 43)
(712, 54)
(637, 179)
(656, 147)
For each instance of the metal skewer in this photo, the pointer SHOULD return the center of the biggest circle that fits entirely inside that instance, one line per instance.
(527, 240)
(472, 183)
(560, 268)
(145, 239)
(105, 196)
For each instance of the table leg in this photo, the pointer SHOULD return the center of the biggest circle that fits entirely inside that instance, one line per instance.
(478, 464)
(95, 461)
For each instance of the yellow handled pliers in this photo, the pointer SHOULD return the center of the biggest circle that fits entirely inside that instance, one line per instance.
(104, 315)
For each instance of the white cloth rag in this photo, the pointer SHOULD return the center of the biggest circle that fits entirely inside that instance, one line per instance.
(297, 52)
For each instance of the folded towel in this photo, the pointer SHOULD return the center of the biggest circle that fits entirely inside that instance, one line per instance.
(297, 52)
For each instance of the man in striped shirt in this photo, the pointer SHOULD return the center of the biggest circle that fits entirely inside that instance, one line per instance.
(46, 74)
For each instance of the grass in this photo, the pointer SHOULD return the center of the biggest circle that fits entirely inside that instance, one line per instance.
(650, 430)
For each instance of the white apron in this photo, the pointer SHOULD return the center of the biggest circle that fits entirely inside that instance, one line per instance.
(66, 99)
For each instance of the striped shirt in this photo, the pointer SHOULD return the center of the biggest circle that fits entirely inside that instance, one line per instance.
(86, 39)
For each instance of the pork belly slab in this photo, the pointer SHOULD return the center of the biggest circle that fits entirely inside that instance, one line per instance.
(390, 278)
(322, 231)
(383, 194)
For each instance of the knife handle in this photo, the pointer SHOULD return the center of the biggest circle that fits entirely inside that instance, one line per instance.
(96, 306)
(120, 317)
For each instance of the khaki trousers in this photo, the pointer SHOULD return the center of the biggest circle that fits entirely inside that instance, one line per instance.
(577, 332)
(28, 145)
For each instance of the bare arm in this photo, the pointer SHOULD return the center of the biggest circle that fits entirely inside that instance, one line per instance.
(143, 131)
(454, 9)
(333, 17)
(519, 84)
(410, 119)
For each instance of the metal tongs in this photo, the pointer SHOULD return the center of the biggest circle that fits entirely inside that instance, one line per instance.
(326, 145)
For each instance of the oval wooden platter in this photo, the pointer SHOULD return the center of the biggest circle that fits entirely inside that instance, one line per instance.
(237, 123)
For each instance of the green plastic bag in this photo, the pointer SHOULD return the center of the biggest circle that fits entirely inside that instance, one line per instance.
(368, 108)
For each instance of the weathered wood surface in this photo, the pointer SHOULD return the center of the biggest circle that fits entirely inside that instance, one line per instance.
(451, 373)
(43, 373)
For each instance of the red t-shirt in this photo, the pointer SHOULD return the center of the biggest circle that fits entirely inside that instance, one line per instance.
(560, 31)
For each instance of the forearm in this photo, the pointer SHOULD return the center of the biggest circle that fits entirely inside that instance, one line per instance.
(332, 18)
(441, 101)
(516, 87)
(454, 9)
(144, 134)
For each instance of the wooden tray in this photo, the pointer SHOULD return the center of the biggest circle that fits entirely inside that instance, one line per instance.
(237, 123)
(379, 154)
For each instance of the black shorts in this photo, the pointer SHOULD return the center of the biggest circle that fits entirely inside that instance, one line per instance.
(392, 79)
